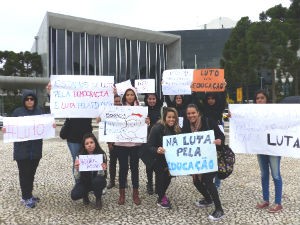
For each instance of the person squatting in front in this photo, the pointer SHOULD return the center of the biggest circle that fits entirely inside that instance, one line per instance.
(90, 180)
(204, 182)
(168, 125)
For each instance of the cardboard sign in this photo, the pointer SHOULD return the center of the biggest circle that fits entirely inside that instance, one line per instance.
(123, 124)
(192, 153)
(24, 128)
(90, 162)
(269, 129)
(145, 85)
(208, 80)
(80, 96)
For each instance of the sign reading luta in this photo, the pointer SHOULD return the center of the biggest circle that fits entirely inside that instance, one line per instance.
(208, 80)
(269, 129)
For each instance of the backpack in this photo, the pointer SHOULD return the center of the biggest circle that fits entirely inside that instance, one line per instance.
(226, 160)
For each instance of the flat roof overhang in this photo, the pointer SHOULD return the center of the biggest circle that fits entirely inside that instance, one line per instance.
(77, 24)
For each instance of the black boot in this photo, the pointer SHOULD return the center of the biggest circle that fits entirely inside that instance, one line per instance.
(86, 200)
(111, 184)
(150, 188)
(98, 203)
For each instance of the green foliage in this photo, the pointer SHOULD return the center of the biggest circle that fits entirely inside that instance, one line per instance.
(257, 46)
(23, 64)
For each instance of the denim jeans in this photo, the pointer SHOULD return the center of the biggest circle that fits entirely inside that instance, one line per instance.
(273, 162)
(74, 149)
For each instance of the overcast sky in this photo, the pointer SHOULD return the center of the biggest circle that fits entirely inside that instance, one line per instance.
(20, 20)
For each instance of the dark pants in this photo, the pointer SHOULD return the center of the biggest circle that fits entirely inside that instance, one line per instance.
(163, 179)
(124, 154)
(27, 169)
(112, 164)
(207, 188)
(81, 189)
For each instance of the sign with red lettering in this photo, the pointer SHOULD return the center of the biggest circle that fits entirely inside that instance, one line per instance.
(208, 80)
(26, 128)
(80, 96)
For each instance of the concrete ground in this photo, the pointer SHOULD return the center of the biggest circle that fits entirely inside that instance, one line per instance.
(239, 195)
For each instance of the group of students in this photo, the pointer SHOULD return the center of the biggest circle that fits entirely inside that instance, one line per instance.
(197, 116)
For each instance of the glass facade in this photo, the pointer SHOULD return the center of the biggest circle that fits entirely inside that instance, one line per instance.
(88, 54)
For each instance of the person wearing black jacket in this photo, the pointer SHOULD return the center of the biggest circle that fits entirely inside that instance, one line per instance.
(27, 153)
(204, 182)
(77, 128)
(154, 113)
(90, 180)
(168, 125)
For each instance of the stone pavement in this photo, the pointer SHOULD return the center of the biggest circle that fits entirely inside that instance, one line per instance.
(239, 194)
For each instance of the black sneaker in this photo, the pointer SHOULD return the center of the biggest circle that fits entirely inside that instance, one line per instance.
(216, 215)
(203, 203)
(111, 184)
(164, 203)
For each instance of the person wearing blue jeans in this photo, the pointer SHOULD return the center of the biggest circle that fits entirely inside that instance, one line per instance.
(273, 162)
(265, 162)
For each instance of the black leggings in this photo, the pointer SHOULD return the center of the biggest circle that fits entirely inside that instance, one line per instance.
(163, 179)
(27, 169)
(207, 188)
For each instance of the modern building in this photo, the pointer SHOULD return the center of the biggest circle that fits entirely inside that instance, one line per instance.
(78, 46)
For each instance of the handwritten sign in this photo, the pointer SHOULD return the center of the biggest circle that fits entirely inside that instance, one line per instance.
(192, 153)
(123, 124)
(90, 162)
(177, 82)
(26, 128)
(123, 86)
(270, 129)
(145, 85)
(208, 80)
(80, 96)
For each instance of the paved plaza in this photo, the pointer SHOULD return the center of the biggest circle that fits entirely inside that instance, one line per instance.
(239, 194)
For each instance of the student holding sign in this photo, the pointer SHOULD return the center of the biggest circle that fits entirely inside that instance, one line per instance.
(167, 126)
(90, 180)
(267, 162)
(154, 113)
(28, 153)
(128, 151)
(204, 182)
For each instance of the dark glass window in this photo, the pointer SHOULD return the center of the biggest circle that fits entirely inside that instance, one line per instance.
(152, 61)
(91, 54)
(123, 60)
(105, 55)
(134, 71)
(76, 53)
(69, 53)
(112, 56)
(61, 53)
(53, 51)
(83, 53)
(142, 60)
(97, 54)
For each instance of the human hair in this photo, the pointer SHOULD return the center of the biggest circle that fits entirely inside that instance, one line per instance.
(163, 119)
(98, 149)
(263, 92)
(124, 96)
(195, 107)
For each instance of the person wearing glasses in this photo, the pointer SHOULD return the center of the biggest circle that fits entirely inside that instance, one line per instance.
(27, 153)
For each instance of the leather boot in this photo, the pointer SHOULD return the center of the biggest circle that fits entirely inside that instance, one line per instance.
(135, 196)
(122, 196)
(98, 203)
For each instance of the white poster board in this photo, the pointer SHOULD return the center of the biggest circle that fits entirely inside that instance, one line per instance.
(80, 96)
(26, 128)
(123, 124)
(177, 82)
(90, 162)
(270, 129)
(192, 153)
(145, 86)
(123, 86)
